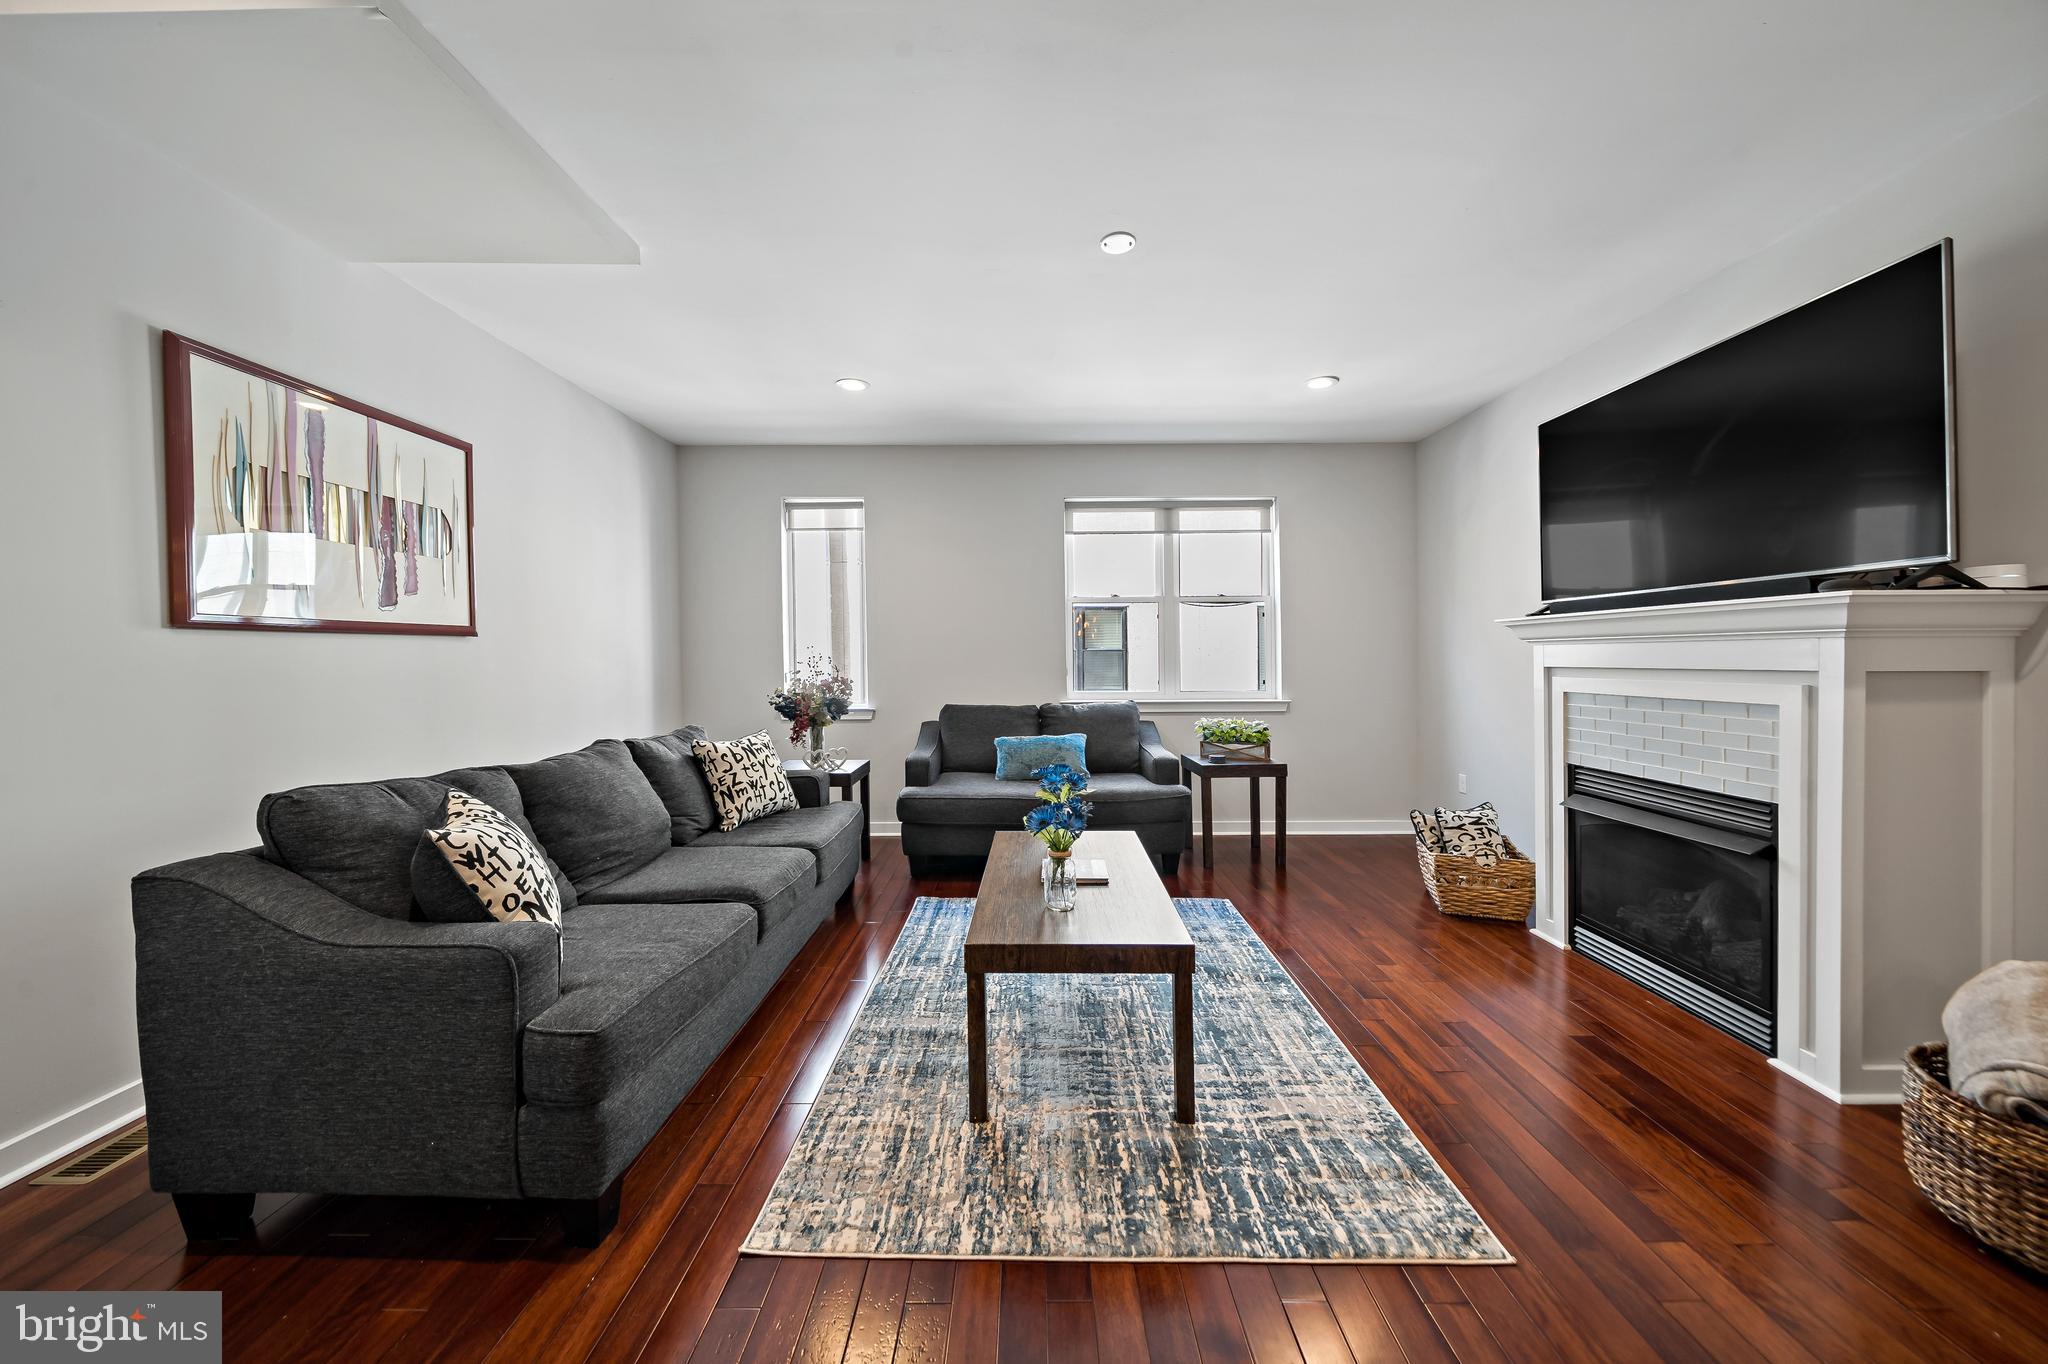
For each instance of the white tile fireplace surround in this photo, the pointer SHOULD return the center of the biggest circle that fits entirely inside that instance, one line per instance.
(1881, 723)
(1727, 746)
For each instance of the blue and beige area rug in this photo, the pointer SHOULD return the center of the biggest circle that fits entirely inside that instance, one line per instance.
(1297, 1155)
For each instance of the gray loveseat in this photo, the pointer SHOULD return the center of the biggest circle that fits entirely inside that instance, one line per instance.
(303, 1030)
(952, 802)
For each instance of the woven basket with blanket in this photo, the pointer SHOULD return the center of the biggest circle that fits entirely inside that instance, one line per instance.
(1469, 866)
(1976, 1116)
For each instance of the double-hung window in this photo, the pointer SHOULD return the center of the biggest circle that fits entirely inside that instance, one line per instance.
(1173, 599)
(824, 586)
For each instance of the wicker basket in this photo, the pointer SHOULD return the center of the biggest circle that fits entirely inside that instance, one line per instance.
(1462, 886)
(1987, 1174)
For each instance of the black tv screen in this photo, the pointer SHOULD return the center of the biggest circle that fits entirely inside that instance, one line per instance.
(1816, 443)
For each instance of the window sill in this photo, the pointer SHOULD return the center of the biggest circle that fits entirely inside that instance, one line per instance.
(1183, 705)
(857, 713)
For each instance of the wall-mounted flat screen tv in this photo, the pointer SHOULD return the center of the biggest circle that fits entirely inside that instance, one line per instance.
(1818, 443)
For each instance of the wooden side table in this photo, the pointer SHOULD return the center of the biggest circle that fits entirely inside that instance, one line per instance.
(1194, 767)
(853, 772)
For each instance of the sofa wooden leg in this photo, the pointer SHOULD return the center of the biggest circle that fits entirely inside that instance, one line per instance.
(214, 1216)
(920, 867)
(1169, 863)
(587, 1221)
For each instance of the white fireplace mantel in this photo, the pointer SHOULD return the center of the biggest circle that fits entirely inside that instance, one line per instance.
(1895, 793)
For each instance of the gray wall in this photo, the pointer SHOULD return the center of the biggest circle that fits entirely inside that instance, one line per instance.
(1477, 478)
(130, 744)
(966, 584)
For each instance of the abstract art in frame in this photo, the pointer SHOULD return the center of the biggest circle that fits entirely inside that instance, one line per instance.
(293, 508)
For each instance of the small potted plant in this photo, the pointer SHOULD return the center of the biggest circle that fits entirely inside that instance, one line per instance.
(1234, 738)
(1059, 820)
(811, 698)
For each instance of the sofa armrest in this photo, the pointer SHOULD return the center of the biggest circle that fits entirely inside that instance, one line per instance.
(293, 1042)
(923, 765)
(1160, 764)
(813, 788)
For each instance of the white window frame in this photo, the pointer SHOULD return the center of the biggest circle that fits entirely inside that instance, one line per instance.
(863, 703)
(1269, 697)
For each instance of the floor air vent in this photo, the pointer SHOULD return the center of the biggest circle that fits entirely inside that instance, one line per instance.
(87, 1166)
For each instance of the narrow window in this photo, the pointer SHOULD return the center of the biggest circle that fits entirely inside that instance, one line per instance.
(824, 586)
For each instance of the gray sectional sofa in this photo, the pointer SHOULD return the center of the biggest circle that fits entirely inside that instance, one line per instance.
(952, 802)
(302, 1029)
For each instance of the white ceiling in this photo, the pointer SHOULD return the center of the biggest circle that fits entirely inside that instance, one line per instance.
(1432, 198)
(353, 128)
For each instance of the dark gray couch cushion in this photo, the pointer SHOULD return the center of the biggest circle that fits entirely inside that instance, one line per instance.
(633, 976)
(666, 762)
(772, 880)
(978, 799)
(982, 800)
(574, 1151)
(594, 811)
(355, 840)
(829, 833)
(1111, 728)
(968, 734)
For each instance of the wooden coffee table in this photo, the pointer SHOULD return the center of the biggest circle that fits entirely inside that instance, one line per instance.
(1128, 927)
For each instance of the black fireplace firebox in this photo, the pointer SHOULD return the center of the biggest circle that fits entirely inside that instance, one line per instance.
(1676, 889)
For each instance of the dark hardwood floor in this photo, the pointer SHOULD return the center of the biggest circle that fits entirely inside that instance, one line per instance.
(1667, 1194)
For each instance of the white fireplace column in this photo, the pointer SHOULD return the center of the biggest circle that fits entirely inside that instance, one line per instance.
(1894, 780)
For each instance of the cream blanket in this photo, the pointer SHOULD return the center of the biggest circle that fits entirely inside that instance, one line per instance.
(1997, 1027)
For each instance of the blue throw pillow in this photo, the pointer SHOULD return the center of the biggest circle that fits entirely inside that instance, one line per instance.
(1017, 759)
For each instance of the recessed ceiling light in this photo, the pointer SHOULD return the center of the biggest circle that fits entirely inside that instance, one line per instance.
(852, 385)
(1323, 381)
(1116, 243)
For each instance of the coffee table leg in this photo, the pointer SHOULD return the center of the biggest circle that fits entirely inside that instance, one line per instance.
(977, 1047)
(1184, 1046)
(1208, 825)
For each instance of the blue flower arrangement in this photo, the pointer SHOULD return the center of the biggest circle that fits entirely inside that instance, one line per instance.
(1062, 816)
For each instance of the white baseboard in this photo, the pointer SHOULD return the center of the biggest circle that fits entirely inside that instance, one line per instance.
(1882, 1096)
(1314, 827)
(1310, 827)
(23, 1155)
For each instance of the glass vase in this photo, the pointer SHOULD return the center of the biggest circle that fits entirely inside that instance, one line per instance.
(816, 757)
(1058, 876)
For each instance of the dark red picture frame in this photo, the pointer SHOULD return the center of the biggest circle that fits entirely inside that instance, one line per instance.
(178, 352)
